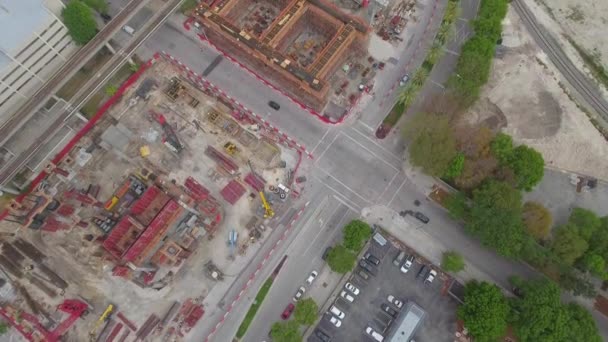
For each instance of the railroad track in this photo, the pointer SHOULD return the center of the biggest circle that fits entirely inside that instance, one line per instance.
(72, 65)
(88, 90)
(583, 85)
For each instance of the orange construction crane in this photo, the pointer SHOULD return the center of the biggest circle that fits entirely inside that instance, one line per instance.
(34, 331)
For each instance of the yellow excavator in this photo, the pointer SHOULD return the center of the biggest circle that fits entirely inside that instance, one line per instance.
(104, 316)
(268, 212)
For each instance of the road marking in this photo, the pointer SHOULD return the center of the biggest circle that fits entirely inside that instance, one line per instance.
(344, 185)
(451, 52)
(436, 84)
(375, 155)
(396, 192)
(327, 148)
(400, 159)
(322, 230)
(357, 209)
(387, 185)
(320, 141)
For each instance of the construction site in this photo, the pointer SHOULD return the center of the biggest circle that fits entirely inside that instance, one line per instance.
(299, 44)
(171, 186)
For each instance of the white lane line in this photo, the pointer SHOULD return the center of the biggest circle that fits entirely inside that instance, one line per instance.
(327, 148)
(371, 129)
(396, 192)
(321, 141)
(338, 195)
(387, 185)
(400, 159)
(344, 185)
(375, 155)
(321, 230)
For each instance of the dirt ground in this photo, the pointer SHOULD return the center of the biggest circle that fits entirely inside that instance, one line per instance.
(583, 21)
(524, 97)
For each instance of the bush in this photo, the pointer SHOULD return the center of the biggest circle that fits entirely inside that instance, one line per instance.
(306, 311)
(285, 332)
(341, 260)
(537, 219)
(452, 262)
(80, 22)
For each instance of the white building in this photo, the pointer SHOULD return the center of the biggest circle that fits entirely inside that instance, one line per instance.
(34, 43)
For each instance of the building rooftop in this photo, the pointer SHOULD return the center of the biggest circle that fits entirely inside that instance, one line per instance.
(19, 20)
(408, 322)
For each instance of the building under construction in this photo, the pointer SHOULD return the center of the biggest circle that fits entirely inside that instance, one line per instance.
(297, 43)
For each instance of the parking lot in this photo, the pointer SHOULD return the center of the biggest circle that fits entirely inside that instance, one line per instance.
(438, 325)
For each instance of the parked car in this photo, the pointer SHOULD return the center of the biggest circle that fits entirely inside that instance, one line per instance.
(430, 277)
(106, 17)
(334, 310)
(299, 294)
(274, 105)
(347, 296)
(403, 81)
(422, 271)
(313, 275)
(407, 264)
(288, 310)
(367, 266)
(374, 334)
(352, 288)
(396, 302)
(421, 217)
(371, 258)
(363, 274)
(399, 258)
(326, 253)
(335, 321)
(389, 310)
(322, 336)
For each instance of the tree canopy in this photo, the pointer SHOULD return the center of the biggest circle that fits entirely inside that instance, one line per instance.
(306, 311)
(528, 166)
(355, 235)
(502, 147)
(432, 146)
(79, 20)
(485, 311)
(586, 221)
(340, 259)
(538, 220)
(495, 217)
(455, 167)
(568, 244)
(452, 262)
(285, 332)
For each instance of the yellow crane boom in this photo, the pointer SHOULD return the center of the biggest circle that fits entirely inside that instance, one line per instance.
(269, 213)
(104, 316)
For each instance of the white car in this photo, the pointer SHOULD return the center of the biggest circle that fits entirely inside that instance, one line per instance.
(404, 80)
(407, 264)
(335, 321)
(299, 294)
(430, 277)
(347, 296)
(352, 288)
(334, 310)
(313, 275)
(396, 302)
(371, 332)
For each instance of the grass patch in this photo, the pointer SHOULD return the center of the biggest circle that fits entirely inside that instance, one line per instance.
(395, 114)
(253, 309)
(593, 63)
(188, 5)
(84, 74)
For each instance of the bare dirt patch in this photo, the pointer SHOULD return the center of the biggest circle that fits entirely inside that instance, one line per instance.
(525, 98)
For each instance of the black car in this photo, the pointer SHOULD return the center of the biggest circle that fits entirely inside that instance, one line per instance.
(371, 258)
(421, 217)
(326, 253)
(274, 105)
(322, 336)
(422, 271)
(366, 266)
(389, 310)
(106, 17)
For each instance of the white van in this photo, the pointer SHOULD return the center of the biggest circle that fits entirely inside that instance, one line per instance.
(334, 310)
(128, 29)
(371, 332)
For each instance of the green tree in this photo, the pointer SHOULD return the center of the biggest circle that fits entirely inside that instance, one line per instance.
(567, 244)
(485, 311)
(285, 332)
(595, 264)
(581, 326)
(3, 328)
(539, 315)
(432, 146)
(79, 20)
(188, 5)
(457, 204)
(340, 259)
(579, 286)
(586, 221)
(134, 67)
(452, 262)
(528, 166)
(455, 167)
(537, 219)
(111, 89)
(496, 217)
(355, 235)
(306, 311)
(502, 147)
(100, 6)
